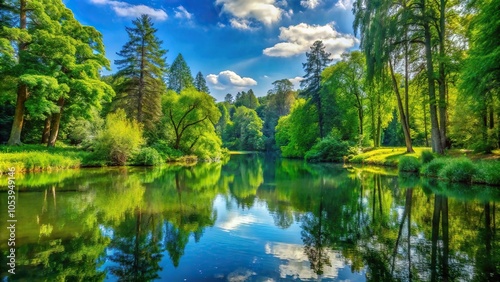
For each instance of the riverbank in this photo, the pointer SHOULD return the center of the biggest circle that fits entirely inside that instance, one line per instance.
(456, 165)
(35, 158)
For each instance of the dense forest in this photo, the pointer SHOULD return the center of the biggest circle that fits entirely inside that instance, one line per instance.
(427, 74)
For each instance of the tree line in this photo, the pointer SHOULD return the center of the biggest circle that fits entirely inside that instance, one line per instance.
(426, 75)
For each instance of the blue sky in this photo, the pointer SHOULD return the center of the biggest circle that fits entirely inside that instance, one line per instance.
(236, 44)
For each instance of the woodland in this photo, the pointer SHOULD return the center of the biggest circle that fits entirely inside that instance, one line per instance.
(426, 74)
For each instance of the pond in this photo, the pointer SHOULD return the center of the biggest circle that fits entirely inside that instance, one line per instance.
(253, 218)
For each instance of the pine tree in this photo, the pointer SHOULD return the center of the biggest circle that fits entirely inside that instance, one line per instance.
(201, 84)
(179, 77)
(317, 60)
(141, 73)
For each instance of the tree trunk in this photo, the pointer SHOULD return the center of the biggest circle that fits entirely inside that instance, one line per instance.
(55, 122)
(22, 89)
(443, 116)
(404, 119)
(435, 132)
(17, 124)
(46, 131)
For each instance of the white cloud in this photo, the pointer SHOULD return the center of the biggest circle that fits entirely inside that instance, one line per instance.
(311, 4)
(182, 13)
(344, 4)
(127, 10)
(296, 81)
(299, 38)
(264, 11)
(242, 24)
(226, 79)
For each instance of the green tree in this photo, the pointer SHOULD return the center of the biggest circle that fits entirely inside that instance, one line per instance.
(80, 59)
(190, 119)
(480, 85)
(247, 99)
(317, 60)
(179, 76)
(247, 130)
(229, 98)
(141, 72)
(201, 84)
(297, 132)
(382, 25)
(278, 103)
(37, 25)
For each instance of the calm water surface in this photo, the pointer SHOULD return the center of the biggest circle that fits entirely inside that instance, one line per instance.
(250, 219)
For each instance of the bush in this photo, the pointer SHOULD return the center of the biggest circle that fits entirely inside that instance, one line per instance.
(119, 139)
(488, 172)
(427, 157)
(409, 164)
(148, 156)
(433, 168)
(458, 170)
(329, 149)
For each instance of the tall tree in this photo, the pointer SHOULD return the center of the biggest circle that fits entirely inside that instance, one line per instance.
(33, 22)
(382, 25)
(179, 76)
(80, 56)
(141, 72)
(317, 60)
(200, 83)
(481, 74)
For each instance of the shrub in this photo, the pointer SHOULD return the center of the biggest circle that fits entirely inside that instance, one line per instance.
(433, 168)
(427, 157)
(329, 149)
(409, 164)
(119, 139)
(458, 170)
(488, 172)
(148, 156)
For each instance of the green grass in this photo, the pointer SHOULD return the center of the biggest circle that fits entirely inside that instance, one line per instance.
(27, 158)
(457, 166)
(386, 156)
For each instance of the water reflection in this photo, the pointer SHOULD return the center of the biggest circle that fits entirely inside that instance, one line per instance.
(254, 218)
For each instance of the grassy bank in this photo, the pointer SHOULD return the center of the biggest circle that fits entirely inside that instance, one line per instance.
(459, 166)
(38, 158)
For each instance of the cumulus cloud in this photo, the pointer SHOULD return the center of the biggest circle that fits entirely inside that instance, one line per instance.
(299, 38)
(264, 11)
(227, 79)
(311, 4)
(296, 81)
(344, 4)
(127, 10)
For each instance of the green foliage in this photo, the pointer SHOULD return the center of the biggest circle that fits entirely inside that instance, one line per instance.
(200, 83)
(409, 164)
(329, 149)
(167, 153)
(245, 132)
(427, 157)
(119, 139)
(433, 168)
(147, 157)
(179, 76)
(458, 170)
(139, 81)
(189, 123)
(488, 172)
(246, 99)
(297, 132)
